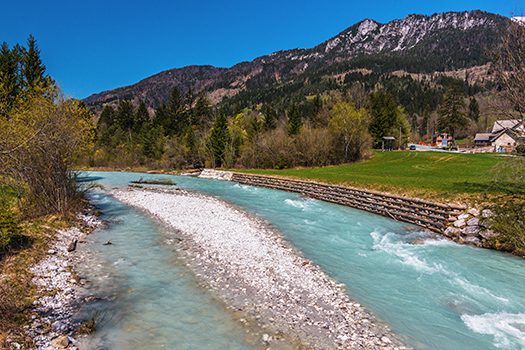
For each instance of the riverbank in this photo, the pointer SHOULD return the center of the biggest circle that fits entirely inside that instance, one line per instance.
(253, 269)
(59, 290)
(41, 277)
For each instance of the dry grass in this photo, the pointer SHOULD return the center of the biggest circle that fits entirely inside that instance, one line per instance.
(16, 289)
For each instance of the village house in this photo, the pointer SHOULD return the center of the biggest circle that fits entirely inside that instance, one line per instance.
(504, 137)
(443, 140)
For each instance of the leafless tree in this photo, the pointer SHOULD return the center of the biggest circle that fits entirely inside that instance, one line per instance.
(509, 66)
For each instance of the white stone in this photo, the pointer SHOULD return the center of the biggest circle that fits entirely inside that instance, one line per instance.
(473, 212)
(460, 223)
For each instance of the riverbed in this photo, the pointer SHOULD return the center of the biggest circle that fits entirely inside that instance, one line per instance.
(434, 293)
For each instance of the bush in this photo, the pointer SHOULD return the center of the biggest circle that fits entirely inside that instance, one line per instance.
(10, 231)
(39, 143)
(520, 149)
(508, 222)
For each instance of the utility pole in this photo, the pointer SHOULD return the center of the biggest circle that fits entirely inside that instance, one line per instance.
(399, 138)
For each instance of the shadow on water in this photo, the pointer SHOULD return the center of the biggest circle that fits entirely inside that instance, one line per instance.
(88, 178)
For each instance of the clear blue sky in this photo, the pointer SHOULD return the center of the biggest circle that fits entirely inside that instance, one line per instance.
(90, 46)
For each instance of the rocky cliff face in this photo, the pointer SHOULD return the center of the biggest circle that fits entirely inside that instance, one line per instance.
(446, 41)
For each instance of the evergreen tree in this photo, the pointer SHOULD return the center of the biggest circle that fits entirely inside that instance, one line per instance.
(201, 111)
(33, 70)
(383, 110)
(473, 109)
(125, 117)
(294, 120)
(9, 78)
(451, 112)
(219, 139)
(388, 118)
(105, 125)
(270, 116)
(141, 117)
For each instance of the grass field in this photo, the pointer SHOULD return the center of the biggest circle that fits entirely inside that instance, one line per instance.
(445, 176)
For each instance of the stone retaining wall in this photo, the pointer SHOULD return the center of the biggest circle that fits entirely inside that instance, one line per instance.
(456, 222)
(433, 216)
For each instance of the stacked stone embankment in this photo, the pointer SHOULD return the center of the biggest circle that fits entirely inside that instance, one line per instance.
(457, 222)
(430, 215)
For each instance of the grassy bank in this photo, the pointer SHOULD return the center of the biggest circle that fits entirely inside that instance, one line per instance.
(433, 175)
(28, 243)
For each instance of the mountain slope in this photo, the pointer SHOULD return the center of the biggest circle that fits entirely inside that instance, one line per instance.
(417, 44)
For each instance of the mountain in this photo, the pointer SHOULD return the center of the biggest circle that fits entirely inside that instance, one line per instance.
(417, 44)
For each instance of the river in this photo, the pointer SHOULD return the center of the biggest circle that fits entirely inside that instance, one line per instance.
(434, 293)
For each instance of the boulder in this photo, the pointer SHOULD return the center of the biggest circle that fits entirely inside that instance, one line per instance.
(460, 223)
(472, 240)
(471, 230)
(473, 222)
(487, 234)
(473, 212)
(60, 342)
(452, 231)
(463, 216)
(72, 246)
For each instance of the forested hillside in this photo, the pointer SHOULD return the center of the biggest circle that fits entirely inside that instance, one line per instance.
(408, 78)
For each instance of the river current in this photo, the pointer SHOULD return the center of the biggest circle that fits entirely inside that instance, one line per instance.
(434, 293)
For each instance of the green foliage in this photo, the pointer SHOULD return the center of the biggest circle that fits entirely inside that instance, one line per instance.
(473, 110)
(508, 222)
(452, 115)
(388, 118)
(294, 120)
(351, 126)
(9, 229)
(33, 69)
(218, 140)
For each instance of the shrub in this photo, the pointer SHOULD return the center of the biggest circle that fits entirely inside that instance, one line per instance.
(508, 222)
(10, 231)
(520, 149)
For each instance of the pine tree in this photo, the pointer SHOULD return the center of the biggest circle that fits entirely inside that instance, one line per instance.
(201, 111)
(105, 125)
(33, 70)
(294, 120)
(383, 109)
(451, 112)
(270, 116)
(219, 139)
(473, 109)
(141, 117)
(9, 78)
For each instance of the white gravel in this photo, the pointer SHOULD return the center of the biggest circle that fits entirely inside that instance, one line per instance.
(256, 271)
(59, 293)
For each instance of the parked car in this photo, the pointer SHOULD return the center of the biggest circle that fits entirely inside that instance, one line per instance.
(412, 147)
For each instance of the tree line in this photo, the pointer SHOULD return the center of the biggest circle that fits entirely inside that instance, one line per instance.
(187, 132)
(41, 134)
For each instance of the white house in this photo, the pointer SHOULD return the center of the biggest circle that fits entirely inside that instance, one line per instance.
(505, 135)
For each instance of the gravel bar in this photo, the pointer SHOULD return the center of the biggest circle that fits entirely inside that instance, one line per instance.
(257, 272)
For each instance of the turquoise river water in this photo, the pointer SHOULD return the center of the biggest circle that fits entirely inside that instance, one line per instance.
(434, 293)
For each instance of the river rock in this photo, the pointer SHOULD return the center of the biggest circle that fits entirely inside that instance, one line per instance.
(60, 342)
(487, 234)
(452, 231)
(472, 240)
(473, 222)
(473, 212)
(72, 246)
(463, 217)
(486, 213)
(460, 223)
(471, 230)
